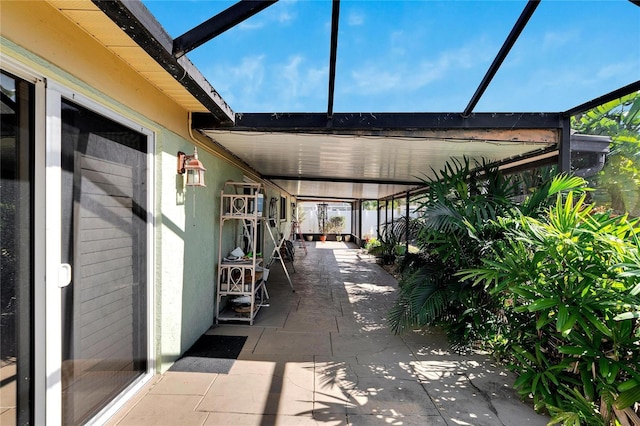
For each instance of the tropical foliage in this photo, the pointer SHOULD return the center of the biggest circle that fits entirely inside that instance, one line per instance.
(528, 269)
(571, 278)
(457, 230)
(619, 180)
(392, 239)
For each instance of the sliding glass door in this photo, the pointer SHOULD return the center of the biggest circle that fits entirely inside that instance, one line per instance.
(104, 240)
(16, 251)
(75, 254)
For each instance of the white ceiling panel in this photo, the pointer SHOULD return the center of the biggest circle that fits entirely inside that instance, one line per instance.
(354, 167)
(305, 189)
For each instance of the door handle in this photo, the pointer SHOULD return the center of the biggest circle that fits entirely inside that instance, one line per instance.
(64, 275)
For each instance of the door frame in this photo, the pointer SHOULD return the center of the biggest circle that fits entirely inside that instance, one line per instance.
(55, 92)
(47, 344)
(38, 328)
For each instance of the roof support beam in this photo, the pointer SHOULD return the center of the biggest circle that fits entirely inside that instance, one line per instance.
(220, 23)
(335, 19)
(616, 94)
(376, 122)
(343, 180)
(502, 54)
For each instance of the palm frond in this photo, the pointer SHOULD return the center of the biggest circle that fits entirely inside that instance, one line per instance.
(423, 300)
(543, 195)
(442, 218)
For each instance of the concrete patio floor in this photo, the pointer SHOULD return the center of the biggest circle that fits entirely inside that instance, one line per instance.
(325, 356)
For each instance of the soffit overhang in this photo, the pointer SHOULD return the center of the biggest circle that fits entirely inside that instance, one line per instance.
(131, 32)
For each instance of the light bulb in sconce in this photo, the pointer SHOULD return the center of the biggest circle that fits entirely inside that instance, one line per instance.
(194, 169)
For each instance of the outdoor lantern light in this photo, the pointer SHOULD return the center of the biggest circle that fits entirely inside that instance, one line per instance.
(194, 169)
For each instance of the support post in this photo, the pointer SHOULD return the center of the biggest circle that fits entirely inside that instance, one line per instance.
(378, 217)
(359, 228)
(406, 237)
(392, 212)
(564, 148)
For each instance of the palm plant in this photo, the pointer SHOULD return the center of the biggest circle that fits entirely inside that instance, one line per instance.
(406, 229)
(457, 214)
(456, 197)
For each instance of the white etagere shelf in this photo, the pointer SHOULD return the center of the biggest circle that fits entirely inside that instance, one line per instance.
(241, 285)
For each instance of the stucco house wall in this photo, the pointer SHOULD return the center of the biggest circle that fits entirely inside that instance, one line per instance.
(38, 37)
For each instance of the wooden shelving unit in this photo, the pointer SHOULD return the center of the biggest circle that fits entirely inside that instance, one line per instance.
(240, 280)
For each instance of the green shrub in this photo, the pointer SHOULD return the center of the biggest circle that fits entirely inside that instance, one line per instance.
(572, 280)
(388, 245)
(456, 229)
(371, 244)
(336, 224)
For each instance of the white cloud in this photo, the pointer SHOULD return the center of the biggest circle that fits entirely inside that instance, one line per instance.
(398, 42)
(256, 85)
(554, 39)
(291, 74)
(281, 13)
(405, 76)
(376, 80)
(615, 70)
(251, 25)
(286, 17)
(244, 81)
(355, 19)
(298, 82)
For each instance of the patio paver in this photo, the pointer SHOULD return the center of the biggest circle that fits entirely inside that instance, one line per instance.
(323, 355)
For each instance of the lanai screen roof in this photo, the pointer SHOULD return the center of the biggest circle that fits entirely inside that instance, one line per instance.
(352, 145)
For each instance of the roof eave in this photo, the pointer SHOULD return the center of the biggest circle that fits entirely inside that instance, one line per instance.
(139, 24)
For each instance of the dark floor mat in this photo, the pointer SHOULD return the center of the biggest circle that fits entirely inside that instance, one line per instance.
(211, 354)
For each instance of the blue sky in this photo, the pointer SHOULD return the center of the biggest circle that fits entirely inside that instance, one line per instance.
(414, 56)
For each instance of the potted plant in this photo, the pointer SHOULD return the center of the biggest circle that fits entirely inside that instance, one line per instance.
(299, 216)
(323, 222)
(323, 237)
(324, 230)
(336, 225)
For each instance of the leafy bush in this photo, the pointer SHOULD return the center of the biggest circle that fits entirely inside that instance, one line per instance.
(388, 245)
(336, 224)
(456, 230)
(371, 243)
(572, 280)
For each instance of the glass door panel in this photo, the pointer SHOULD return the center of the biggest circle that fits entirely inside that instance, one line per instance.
(16, 251)
(104, 326)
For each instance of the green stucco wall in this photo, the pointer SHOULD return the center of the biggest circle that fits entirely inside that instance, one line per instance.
(186, 220)
(188, 248)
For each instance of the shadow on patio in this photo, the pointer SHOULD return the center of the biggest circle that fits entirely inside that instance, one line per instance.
(324, 355)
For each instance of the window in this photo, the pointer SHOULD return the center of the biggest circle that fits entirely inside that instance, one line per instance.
(283, 208)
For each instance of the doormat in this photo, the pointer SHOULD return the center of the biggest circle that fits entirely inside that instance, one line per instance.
(210, 354)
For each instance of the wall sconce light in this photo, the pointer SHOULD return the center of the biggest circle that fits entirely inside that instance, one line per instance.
(194, 169)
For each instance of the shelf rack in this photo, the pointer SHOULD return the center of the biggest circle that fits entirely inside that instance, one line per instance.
(242, 279)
